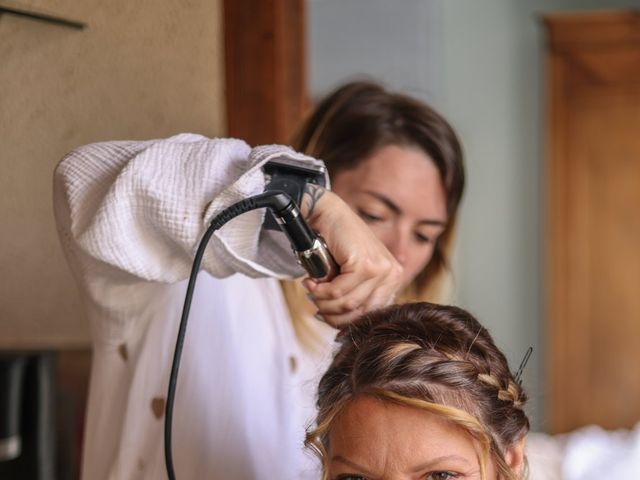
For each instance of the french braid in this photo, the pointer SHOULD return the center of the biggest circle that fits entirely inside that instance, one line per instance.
(434, 354)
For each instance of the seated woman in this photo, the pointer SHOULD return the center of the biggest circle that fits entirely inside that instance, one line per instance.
(419, 391)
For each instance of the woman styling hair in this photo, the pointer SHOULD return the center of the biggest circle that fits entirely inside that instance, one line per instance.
(419, 391)
(130, 215)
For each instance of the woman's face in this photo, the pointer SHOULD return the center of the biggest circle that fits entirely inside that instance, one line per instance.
(399, 193)
(377, 440)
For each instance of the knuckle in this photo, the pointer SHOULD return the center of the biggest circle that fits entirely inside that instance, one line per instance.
(388, 265)
(351, 304)
(350, 261)
(370, 267)
(334, 292)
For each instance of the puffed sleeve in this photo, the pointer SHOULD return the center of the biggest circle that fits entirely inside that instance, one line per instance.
(140, 208)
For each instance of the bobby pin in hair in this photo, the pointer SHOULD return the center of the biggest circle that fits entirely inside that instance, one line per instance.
(518, 375)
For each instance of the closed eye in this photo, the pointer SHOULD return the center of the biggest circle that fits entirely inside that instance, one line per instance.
(421, 238)
(369, 217)
(441, 475)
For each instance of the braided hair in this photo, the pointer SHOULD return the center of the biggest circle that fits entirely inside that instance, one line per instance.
(435, 357)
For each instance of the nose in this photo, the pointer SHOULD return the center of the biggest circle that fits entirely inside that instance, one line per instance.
(398, 243)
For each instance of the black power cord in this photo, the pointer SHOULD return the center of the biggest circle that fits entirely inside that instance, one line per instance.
(302, 239)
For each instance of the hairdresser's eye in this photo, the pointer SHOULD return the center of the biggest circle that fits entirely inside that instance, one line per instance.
(422, 238)
(369, 217)
(441, 476)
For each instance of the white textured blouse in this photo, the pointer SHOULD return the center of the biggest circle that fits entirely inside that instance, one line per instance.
(130, 215)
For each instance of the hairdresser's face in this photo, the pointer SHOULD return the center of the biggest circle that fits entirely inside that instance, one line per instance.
(375, 440)
(399, 193)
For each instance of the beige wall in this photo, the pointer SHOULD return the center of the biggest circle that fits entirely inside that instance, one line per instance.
(142, 69)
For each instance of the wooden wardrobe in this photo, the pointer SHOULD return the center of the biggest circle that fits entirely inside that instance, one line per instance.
(592, 183)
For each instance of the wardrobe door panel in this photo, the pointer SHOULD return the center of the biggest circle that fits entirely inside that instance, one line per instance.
(593, 221)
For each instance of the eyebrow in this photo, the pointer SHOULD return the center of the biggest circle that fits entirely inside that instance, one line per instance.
(435, 461)
(349, 463)
(397, 210)
(430, 464)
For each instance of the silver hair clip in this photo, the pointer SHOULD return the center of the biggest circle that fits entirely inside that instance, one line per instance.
(518, 375)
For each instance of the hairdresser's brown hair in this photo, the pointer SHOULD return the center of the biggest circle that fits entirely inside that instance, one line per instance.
(357, 119)
(428, 356)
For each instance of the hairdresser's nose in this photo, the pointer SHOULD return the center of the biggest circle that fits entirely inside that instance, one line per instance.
(398, 242)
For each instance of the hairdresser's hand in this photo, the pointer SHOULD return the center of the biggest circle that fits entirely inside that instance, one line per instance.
(369, 274)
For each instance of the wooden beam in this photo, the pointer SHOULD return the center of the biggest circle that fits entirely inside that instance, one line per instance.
(265, 53)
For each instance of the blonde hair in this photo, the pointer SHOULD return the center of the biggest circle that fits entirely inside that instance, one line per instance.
(433, 357)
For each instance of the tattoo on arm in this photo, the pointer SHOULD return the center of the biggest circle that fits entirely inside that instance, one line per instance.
(312, 193)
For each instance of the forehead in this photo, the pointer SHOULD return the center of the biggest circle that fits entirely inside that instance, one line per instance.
(404, 174)
(387, 437)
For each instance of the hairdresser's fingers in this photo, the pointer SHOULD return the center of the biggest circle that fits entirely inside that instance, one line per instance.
(347, 301)
(345, 283)
(378, 299)
(309, 284)
(368, 296)
(352, 288)
(341, 321)
(370, 269)
(375, 301)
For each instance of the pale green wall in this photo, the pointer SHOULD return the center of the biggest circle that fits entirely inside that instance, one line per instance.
(491, 94)
(493, 91)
